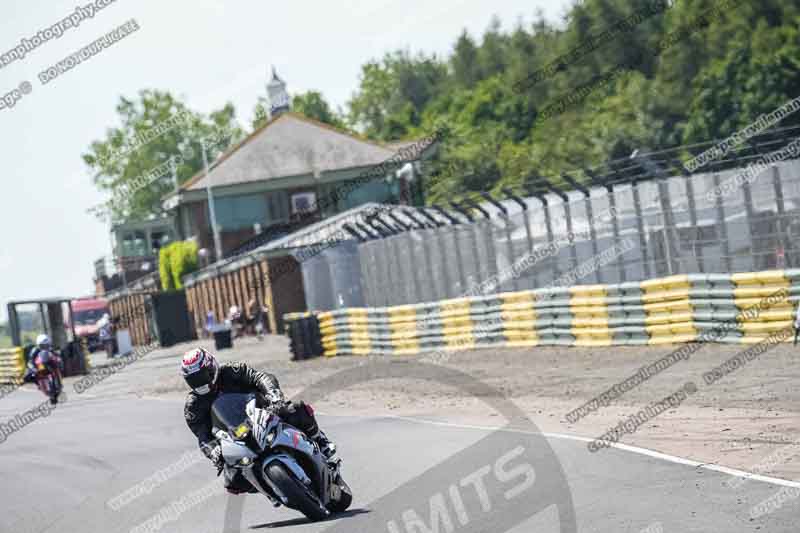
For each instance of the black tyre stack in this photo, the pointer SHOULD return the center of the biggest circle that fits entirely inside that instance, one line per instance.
(305, 340)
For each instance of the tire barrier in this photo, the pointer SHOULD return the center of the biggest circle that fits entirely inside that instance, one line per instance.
(304, 335)
(740, 308)
(12, 365)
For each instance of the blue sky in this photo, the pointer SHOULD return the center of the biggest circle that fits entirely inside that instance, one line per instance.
(208, 52)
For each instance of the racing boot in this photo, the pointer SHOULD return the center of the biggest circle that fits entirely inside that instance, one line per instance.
(326, 446)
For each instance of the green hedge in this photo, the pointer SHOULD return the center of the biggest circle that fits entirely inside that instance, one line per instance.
(175, 261)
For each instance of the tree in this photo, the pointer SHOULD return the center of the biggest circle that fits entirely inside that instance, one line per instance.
(394, 92)
(260, 113)
(756, 77)
(492, 55)
(464, 61)
(134, 162)
(313, 105)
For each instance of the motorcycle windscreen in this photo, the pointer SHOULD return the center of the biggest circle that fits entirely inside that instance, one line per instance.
(228, 411)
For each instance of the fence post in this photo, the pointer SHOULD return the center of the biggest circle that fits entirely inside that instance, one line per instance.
(592, 233)
(640, 226)
(785, 242)
(723, 229)
(476, 254)
(491, 252)
(698, 250)
(461, 276)
(415, 288)
(669, 227)
(529, 239)
(612, 206)
(399, 285)
(549, 227)
(387, 278)
(368, 268)
(429, 263)
(573, 253)
(510, 246)
(748, 206)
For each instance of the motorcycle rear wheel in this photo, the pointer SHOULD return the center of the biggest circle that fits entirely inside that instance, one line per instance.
(297, 494)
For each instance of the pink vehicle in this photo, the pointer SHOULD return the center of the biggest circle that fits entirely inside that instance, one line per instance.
(87, 312)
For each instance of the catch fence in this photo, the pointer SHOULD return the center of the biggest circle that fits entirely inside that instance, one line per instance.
(627, 232)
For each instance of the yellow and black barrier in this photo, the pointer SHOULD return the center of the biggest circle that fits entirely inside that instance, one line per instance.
(731, 308)
(12, 365)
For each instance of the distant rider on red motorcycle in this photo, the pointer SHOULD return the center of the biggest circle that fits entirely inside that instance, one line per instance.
(44, 368)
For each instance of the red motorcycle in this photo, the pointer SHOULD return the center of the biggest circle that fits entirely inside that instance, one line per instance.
(47, 367)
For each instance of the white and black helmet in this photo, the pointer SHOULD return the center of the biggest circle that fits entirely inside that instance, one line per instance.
(43, 342)
(200, 370)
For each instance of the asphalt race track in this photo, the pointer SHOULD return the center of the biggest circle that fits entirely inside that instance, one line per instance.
(58, 473)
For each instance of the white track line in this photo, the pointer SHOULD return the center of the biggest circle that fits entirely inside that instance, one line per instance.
(625, 447)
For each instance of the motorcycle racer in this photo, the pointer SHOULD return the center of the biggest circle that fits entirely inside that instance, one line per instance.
(207, 379)
(42, 363)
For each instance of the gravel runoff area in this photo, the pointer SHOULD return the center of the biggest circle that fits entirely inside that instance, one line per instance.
(749, 419)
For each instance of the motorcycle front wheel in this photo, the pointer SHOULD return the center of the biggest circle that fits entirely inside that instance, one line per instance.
(55, 390)
(342, 504)
(296, 492)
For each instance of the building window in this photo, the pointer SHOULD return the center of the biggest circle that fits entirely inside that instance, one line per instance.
(239, 212)
(278, 203)
(348, 196)
(134, 244)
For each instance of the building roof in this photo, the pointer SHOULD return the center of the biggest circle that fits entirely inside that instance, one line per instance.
(291, 145)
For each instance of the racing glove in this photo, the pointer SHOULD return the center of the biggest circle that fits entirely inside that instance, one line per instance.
(214, 453)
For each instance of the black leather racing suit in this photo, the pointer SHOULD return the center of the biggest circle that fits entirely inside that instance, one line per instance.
(240, 378)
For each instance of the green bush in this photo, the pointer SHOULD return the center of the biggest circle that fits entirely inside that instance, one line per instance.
(165, 268)
(175, 261)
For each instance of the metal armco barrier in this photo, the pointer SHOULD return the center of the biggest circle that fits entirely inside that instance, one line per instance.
(12, 365)
(748, 307)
